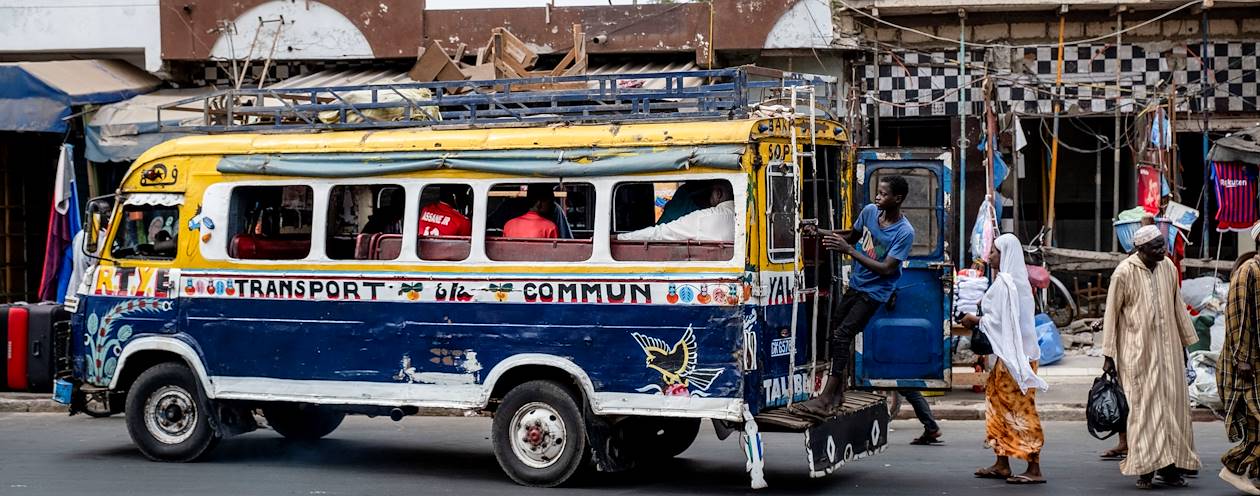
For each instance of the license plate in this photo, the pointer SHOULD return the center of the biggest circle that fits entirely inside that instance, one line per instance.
(62, 391)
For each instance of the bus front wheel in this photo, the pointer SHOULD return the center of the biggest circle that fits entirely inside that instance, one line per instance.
(538, 435)
(302, 421)
(167, 415)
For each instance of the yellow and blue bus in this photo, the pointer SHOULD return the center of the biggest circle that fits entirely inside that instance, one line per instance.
(307, 269)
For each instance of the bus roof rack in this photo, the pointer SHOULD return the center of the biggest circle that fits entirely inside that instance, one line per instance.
(730, 93)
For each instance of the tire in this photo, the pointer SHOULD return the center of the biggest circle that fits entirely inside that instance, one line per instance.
(168, 415)
(539, 434)
(653, 439)
(302, 421)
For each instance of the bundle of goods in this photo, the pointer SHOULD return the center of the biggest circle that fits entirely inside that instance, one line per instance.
(969, 288)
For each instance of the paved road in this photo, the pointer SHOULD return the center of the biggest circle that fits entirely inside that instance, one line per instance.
(51, 454)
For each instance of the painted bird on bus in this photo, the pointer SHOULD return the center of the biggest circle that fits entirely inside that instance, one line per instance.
(677, 363)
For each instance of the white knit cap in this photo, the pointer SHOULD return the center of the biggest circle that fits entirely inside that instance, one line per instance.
(1145, 235)
(1255, 231)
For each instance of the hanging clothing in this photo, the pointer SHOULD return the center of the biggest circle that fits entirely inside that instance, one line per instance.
(1241, 395)
(1148, 188)
(1235, 186)
(1145, 331)
(1011, 424)
(1008, 319)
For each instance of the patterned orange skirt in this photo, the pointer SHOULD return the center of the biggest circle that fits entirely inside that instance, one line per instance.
(1012, 427)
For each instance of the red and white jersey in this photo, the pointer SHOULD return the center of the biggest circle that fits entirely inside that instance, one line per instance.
(440, 219)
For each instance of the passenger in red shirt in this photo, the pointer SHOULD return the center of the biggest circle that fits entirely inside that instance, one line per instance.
(536, 223)
(440, 218)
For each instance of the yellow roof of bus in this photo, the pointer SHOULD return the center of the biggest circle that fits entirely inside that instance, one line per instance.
(428, 138)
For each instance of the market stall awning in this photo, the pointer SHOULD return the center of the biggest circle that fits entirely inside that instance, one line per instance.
(121, 132)
(38, 96)
(1242, 146)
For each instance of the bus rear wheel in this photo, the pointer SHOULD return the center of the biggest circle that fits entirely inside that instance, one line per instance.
(302, 421)
(167, 416)
(538, 435)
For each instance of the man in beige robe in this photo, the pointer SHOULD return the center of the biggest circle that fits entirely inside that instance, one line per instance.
(1145, 332)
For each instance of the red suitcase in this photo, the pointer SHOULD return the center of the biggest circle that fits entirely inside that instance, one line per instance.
(4, 345)
(16, 349)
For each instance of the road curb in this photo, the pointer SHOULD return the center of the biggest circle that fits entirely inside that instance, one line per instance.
(29, 403)
(1053, 412)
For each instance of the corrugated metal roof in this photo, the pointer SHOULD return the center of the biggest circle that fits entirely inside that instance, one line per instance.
(354, 77)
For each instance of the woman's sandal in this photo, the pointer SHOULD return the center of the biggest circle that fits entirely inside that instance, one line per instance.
(1114, 454)
(991, 473)
(1024, 479)
(1145, 484)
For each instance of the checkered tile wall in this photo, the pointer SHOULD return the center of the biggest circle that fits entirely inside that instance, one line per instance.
(926, 83)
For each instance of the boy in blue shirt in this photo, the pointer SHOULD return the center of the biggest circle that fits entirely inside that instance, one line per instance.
(879, 241)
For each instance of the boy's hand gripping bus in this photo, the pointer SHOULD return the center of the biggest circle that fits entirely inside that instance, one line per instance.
(523, 253)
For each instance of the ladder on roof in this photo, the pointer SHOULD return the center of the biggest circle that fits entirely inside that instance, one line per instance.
(801, 160)
(595, 98)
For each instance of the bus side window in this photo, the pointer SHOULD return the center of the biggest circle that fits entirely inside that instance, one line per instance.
(673, 221)
(270, 222)
(147, 232)
(444, 227)
(781, 186)
(545, 222)
(365, 222)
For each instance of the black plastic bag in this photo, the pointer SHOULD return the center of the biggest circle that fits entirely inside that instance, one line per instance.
(980, 343)
(1107, 409)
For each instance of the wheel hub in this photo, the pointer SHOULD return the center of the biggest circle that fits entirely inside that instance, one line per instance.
(170, 414)
(538, 435)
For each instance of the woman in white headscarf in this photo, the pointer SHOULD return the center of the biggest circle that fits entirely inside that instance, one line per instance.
(1011, 422)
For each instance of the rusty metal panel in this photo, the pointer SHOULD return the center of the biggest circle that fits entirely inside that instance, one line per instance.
(397, 28)
(190, 28)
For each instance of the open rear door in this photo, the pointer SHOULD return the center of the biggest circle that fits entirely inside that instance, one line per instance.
(907, 346)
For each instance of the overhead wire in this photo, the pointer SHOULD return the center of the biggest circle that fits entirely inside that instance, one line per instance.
(1037, 45)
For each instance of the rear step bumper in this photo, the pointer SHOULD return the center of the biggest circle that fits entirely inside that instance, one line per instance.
(860, 431)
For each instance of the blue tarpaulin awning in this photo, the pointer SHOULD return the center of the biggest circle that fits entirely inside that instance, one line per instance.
(38, 96)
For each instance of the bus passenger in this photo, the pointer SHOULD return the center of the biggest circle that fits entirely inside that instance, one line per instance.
(688, 198)
(716, 223)
(441, 217)
(387, 217)
(536, 223)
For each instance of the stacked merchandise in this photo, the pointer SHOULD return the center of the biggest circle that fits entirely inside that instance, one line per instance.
(1205, 299)
(969, 288)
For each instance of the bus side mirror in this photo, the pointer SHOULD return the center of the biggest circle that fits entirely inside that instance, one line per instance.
(96, 221)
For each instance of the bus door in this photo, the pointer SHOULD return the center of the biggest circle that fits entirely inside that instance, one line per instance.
(906, 344)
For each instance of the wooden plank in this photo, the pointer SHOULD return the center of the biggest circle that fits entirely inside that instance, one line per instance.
(1085, 260)
(434, 65)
